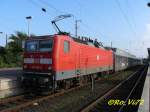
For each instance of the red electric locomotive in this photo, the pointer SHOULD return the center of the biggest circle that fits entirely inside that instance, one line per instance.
(52, 61)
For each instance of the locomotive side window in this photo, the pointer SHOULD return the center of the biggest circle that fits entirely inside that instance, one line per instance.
(32, 46)
(66, 46)
(46, 45)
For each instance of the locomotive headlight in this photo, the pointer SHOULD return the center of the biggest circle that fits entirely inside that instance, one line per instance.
(28, 60)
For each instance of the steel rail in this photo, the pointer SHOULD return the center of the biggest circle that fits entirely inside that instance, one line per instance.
(108, 93)
(6, 100)
(137, 82)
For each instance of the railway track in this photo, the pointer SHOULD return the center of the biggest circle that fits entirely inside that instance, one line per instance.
(14, 104)
(118, 101)
(20, 102)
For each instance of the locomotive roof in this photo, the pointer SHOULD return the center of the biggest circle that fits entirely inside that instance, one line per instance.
(89, 42)
(79, 40)
(41, 37)
(82, 40)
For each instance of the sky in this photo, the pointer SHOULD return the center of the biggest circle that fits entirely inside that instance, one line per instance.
(125, 23)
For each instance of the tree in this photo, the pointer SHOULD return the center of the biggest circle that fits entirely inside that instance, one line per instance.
(2, 51)
(2, 56)
(14, 49)
(15, 45)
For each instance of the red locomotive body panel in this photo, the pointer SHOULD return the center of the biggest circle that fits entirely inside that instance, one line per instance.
(80, 59)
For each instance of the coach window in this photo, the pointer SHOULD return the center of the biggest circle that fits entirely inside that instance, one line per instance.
(66, 46)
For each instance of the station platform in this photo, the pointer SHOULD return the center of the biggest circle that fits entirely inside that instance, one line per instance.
(146, 94)
(9, 82)
(14, 72)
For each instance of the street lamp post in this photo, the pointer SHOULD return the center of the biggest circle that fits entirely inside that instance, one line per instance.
(28, 18)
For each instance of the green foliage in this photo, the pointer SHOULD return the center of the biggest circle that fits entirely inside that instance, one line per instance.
(12, 55)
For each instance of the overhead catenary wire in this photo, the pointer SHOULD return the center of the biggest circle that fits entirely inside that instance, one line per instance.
(90, 30)
(126, 18)
(80, 6)
(34, 3)
(42, 6)
(51, 6)
(100, 34)
(131, 11)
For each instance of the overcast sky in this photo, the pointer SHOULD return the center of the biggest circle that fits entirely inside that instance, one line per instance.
(124, 22)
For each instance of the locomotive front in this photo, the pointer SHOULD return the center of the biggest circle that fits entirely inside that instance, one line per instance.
(38, 63)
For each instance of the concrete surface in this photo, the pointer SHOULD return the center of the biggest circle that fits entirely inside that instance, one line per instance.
(9, 83)
(146, 94)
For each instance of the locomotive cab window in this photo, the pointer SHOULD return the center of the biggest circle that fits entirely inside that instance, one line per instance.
(46, 45)
(39, 45)
(66, 46)
(32, 46)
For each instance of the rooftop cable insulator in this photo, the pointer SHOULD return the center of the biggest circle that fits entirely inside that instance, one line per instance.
(85, 39)
(82, 38)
